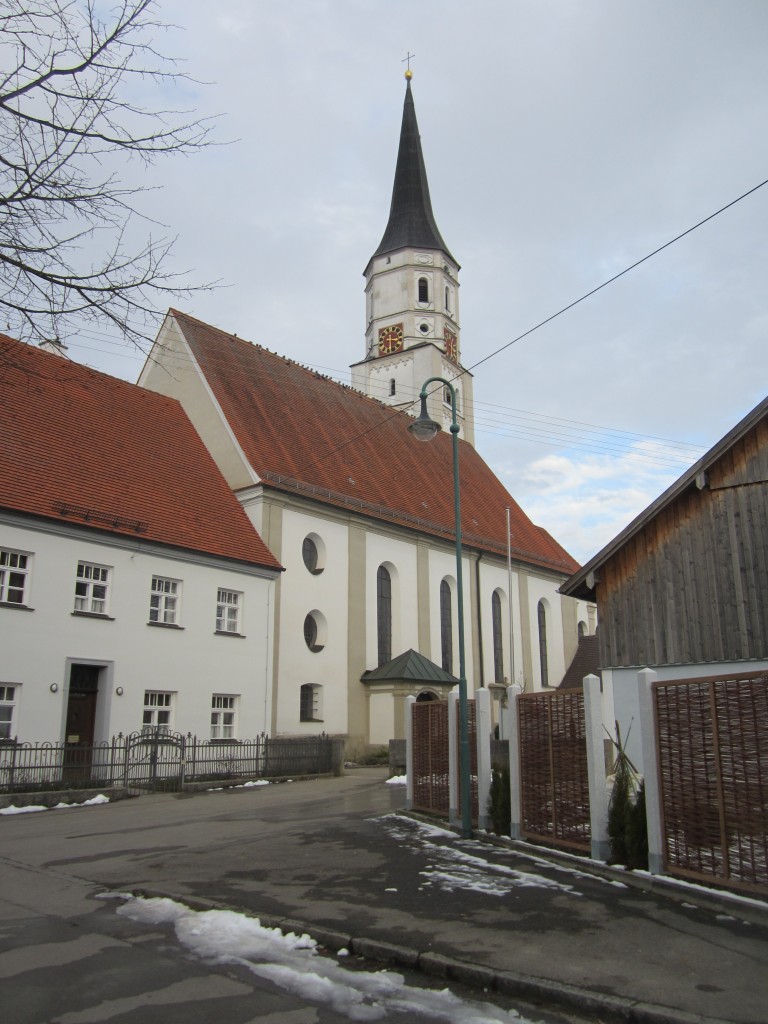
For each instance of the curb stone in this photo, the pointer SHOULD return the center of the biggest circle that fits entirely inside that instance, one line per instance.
(553, 995)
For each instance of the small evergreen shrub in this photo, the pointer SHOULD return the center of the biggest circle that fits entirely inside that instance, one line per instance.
(627, 823)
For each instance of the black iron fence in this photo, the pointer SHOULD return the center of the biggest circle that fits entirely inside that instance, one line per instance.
(156, 759)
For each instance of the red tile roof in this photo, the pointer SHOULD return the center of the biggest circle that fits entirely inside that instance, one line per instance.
(305, 433)
(82, 447)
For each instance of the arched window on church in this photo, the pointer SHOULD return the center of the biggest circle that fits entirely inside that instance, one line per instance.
(582, 627)
(423, 290)
(392, 386)
(447, 297)
(384, 614)
(446, 627)
(498, 642)
(542, 612)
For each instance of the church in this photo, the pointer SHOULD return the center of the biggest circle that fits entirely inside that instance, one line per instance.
(360, 514)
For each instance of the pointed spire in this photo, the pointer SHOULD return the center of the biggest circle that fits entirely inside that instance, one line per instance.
(411, 221)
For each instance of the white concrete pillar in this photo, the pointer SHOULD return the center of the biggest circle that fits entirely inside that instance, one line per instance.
(483, 727)
(645, 680)
(598, 794)
(409, 702)
(513, 734)
(454, 817)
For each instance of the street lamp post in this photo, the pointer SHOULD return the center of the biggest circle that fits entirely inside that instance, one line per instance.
(425, 428)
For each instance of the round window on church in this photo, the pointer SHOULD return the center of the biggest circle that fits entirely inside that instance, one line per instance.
(315, 631)
(313, 554)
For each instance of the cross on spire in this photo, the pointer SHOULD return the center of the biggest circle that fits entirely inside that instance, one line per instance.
(407, 59)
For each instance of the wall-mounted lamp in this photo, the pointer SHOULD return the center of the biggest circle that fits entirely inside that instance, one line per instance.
(119, 691)
(54, 687)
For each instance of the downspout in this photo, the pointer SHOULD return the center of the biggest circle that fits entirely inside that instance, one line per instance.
(479, 617)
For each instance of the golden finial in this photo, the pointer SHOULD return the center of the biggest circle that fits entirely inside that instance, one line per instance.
(408, 58)
(409, 74)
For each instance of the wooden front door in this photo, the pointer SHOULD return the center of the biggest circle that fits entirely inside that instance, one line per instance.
(81, 719)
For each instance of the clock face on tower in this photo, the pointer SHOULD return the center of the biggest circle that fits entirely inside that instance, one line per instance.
(390, 339)
(451, 345)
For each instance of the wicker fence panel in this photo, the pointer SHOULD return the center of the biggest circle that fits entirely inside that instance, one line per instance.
(472, 738)
(430, 756)
(553, 768)
(712, 742)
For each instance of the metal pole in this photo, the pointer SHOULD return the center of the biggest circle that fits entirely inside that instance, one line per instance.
(464, 762)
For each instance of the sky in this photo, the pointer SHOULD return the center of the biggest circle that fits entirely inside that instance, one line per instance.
(563, 142)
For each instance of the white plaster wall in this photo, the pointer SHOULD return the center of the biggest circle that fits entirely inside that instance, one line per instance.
(381, 549)
(382, 718)
(39, 646)
(538, 589)
(301, 593)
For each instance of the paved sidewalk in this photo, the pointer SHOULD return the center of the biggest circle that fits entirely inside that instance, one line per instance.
(330, 857)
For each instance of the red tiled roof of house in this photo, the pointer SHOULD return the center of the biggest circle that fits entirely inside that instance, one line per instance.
(305, 433)
(82, 447)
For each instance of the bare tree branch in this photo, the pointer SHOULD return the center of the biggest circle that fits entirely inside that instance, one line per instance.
(68, 109)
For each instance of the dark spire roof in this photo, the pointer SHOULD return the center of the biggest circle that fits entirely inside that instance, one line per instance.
(411, 221)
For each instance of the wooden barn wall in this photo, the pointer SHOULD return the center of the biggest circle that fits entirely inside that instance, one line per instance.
(692, 585)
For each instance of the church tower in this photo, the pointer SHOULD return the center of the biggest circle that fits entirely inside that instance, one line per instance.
(412, 299)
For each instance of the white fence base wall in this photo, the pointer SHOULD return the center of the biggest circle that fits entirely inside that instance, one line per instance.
(645, 680)
(483, 739)
(516, 810)
(598, 793)
(409, 702)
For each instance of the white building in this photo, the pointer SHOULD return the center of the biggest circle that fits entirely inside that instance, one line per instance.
(133, 589)
(358, 511)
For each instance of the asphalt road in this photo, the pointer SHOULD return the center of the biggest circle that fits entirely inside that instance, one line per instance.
(327, 855)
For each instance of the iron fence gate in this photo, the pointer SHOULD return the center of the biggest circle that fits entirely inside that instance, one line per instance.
(712, 748)
(156, 759)
(553, 768)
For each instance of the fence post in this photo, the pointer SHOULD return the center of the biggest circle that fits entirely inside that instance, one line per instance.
(453, 757)
(645, 680)
(515, 780)
(409, 702)
(483, 741)
(598, 794)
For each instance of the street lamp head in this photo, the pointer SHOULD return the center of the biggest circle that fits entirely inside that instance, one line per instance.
(423, 427)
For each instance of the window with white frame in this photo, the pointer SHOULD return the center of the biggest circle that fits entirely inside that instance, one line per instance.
(164, 601)
(92, 588)
(223, 716)
(14, 574)
(158, 706)
(7, 708)
(228, 608)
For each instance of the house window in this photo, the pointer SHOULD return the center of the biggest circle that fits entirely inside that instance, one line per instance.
(157, 710)
(228, 611)
(542, 612)
(446, 627)
(423, 290)
(223, 716)
(310, 703)
(164, 601)
(384, 614)
(14, 569)
(7, 705)
(498, 642)
(91, 588)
